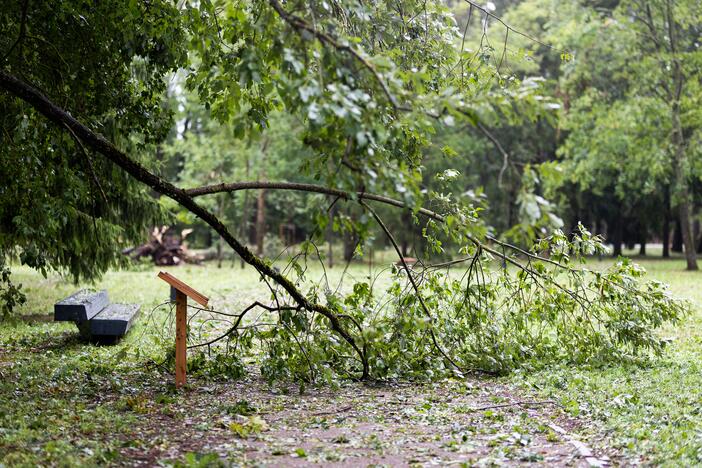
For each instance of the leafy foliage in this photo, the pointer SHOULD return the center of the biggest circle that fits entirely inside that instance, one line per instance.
(11, 295)
(61, 206)
(478, 319)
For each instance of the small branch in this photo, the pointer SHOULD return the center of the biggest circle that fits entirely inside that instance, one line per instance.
(510, 28)
(240, 317)
(299, 24)
(518, 403)
(90, 162)
(22, 31)
(498, 145)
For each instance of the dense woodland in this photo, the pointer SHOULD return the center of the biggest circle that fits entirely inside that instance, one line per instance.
(602, 129)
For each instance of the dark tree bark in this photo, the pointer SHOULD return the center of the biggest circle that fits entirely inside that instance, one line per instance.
(244, 227)
(261, 202)
(682, 190)
(260, 221)
(677, 237)
(349, 246)
(407, 224)
(617, 235)
(687, 236)
(221, 206)
(330, 237)
(665, 237)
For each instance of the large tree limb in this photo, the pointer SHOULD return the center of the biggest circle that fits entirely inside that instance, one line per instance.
(300, 187)
(98, 143)
(360, 196)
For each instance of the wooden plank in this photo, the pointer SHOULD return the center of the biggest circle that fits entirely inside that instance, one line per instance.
(80, 306)
(181, 328)
(114, 320)
(184, 288)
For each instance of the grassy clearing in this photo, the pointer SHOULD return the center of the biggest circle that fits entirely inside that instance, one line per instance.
(64, 403)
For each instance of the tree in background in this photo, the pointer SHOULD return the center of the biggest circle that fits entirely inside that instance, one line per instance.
(631, 109)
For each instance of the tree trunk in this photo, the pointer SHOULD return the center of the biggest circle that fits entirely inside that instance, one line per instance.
(677, 237)
(219, 252)
(688, 240)
(330, 237)
(349, 246)
(221, 206)
(260, 221)
(666, 223)
(407, 225)
(243, 228)
(617, 238)
(682, 190)
(261, 202)
(683, 197)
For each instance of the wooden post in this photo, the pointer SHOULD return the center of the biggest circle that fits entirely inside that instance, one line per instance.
(181, 292)
(181, 338)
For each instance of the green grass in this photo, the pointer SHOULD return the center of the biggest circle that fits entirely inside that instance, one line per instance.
(653, 412)
(49, 414)
(49, 379)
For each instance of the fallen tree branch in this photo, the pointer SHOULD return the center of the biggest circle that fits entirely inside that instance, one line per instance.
(99, 143)
(418, 293)
(239, 318)
(301, 187)
(505, 156)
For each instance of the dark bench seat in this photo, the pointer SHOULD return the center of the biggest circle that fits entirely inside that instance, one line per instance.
(114, 320)
(95, 316)
(80, 306)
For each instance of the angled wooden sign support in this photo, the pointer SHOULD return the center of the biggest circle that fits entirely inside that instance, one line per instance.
(182, 293)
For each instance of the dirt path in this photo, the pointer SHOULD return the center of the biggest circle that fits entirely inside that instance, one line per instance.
(405, 424)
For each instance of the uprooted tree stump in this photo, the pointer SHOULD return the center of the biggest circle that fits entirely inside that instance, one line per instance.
(166, 247)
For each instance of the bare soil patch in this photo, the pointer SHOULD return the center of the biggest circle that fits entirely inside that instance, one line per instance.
(390, 424)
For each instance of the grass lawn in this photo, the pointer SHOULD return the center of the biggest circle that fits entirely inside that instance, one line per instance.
(65, 403)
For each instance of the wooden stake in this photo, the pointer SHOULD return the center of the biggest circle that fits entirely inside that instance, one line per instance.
(181, 292)
(181, 329)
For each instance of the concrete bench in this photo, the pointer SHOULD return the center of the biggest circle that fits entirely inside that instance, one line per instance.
(95, 317)
(80, 306)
